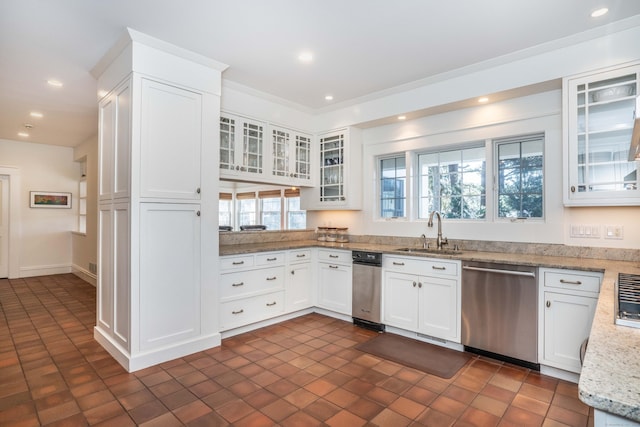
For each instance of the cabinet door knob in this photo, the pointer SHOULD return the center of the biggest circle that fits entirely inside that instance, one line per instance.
(293, 272)
(419, 284)
(573, 188)
(198, 190)
(198, 213)
(414, 284)
(548, 304)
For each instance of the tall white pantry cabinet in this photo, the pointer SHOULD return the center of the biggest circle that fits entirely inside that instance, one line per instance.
(158, 186)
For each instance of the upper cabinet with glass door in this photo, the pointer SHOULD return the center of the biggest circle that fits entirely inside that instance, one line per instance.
(291, 157)
(242, 148)
(598, 122)
(339, 163)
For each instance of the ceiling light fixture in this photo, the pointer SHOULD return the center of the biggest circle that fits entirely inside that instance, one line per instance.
(328, 98)
(599, 12)
(36, 114)
(305, 57)
(54, 83)
(402, 117)
(483, 100)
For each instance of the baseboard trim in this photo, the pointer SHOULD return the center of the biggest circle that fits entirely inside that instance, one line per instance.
(153, 357)
(85, 275)
(44, 270)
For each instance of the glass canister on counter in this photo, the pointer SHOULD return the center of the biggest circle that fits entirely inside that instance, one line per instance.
(322, 234)
(342, 235)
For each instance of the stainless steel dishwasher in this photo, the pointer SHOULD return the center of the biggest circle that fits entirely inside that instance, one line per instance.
(366, 300)
(499, 311)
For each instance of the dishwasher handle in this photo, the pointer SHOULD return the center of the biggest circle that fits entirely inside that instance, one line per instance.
(495, 270)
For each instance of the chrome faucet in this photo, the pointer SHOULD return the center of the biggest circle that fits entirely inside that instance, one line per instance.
(440, 241)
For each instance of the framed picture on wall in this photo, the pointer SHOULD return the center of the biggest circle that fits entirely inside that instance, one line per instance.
(48, 199)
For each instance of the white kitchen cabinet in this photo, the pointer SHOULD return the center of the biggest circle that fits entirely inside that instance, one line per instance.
(169, 297)
(158, 123)
(170, 141)
(299, 285)
(242, 148)
(252, 288)
(290, 157)
(568, 302)
(114, 116)
(598, 112)
(339, 172)
(423, 295)
(335, 280)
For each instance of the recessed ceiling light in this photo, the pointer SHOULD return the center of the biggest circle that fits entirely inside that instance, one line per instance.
(305, 57)
(329, 98)
(23, 134)
(402, 117)
(599, 12)
(483, 100)
(54, 83)
(36, 114)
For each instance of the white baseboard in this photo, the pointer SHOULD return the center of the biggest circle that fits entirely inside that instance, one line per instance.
(44, 270)
(153, 357)
(85, 275)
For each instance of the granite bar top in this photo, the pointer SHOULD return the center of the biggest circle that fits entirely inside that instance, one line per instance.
(610, 378)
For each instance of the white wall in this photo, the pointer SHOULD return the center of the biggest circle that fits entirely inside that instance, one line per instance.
(85, 246)
(44, 234)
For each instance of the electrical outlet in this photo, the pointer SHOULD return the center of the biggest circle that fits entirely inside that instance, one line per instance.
(613, 232)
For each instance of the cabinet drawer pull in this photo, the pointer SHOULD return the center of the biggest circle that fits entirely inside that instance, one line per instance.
(301, 255)
(237, 263)
(435, 267)
(235, 285)
(272, 259)
(271, 304)
(238, 312)
(398, 263)
(334, 256)
(571, 282)
(271, 278)
(333, 266)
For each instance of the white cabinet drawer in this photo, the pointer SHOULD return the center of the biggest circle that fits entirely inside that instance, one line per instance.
(299, 255)
(248, 310)
(236, 262)
(343, 257)
(584, 281)
(248, 283)
(270, 258)
(421, 266)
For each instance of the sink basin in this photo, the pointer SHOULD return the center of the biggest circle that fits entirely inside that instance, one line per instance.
(430, 251)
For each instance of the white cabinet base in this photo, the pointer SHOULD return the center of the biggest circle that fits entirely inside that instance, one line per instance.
(143, 360)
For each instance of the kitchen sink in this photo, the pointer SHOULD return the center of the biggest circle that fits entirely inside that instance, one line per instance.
(430, 251)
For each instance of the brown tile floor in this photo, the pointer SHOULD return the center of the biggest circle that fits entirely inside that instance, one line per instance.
(302, 372)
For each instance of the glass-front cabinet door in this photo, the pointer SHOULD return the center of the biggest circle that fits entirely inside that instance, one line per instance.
(291, 156)
(332, 168)
(241, 146)
(599, 109)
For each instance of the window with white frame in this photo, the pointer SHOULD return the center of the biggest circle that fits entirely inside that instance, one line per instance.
(296, 217)
(271, 209)
(520, 177)
(225, 209)
(393, 187)
(82, 198)
(246, 208)
(453, 182)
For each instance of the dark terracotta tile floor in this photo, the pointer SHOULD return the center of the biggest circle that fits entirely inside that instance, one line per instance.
(302, 372)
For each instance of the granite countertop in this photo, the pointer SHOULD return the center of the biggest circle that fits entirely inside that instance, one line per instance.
(610, 378)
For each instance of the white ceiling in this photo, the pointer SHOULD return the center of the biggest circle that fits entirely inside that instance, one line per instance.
(360, 47)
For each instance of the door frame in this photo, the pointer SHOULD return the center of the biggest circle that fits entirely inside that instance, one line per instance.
(14, 219)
